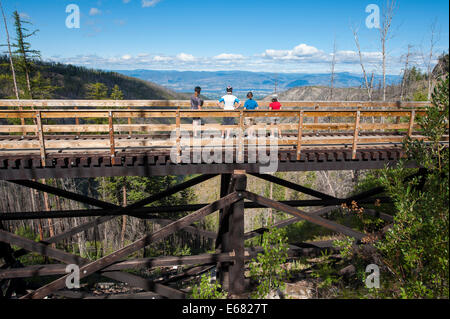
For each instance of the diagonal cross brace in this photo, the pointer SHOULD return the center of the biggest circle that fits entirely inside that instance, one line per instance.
(102, 204)
(118, 255)
(68, 258)
(303, 215)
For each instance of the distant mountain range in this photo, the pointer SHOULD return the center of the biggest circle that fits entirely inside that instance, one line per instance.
(213, 83)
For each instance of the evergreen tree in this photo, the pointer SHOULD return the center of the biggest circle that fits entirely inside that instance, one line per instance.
(23, 52)
(116, 93)
(96, 91)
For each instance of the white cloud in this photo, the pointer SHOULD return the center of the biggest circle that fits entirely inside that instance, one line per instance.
(149, 3)
(159, 58)
(229, 56)
(94, 12)
(300, 52)
(126, 57)
(185, 57)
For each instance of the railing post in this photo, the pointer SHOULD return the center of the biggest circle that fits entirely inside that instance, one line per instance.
(40, 133)
(411, 123)
(112, 145)
(129, 122)
(355, 134)
(240, 154)
(178, 133)
(77, 120)
(299, 134)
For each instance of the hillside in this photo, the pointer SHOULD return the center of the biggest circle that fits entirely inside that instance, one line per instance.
(213, 83)
(322, 93)
(71, 82)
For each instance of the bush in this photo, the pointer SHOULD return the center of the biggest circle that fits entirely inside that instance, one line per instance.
(416, 248)
(207, 290)
(268, 268)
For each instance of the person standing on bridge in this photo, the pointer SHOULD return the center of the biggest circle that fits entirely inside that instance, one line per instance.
(275, 106)
(228, 102)
(196, 104)
(250, 104)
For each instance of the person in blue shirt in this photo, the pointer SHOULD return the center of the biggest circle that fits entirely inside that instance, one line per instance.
(250, 105)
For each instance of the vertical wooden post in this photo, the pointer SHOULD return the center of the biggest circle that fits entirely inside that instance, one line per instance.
(236, 234)
(77, 120)
(22, 120)
(112, 146)
(231, 234)
(240, 153)
(178, 133)
(355, 134)
(129, 122)
(40, 134)
(299, 134)
(411, 123)
(316, 119)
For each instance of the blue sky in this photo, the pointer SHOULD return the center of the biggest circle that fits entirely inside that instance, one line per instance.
(262, 35)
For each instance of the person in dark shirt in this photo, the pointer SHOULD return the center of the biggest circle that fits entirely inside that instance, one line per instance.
(196, 104)
(275, 105)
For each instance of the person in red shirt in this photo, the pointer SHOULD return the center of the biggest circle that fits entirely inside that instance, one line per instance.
(275, 105)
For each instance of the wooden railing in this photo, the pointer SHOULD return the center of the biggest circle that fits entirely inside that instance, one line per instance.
(298, 128)
(39, 104)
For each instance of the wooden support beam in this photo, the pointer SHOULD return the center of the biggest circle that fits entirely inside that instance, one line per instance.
(299, 135)
(139, 244)
(313, 219)
(178, 133)
(296, 187)
(149, 212)
(105, 205)
(236, 284)
(411, 123)
(286, 222)
(355, 134)
(40, 134)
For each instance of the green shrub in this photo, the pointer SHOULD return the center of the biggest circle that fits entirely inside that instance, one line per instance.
(268, 268)
(208, 290)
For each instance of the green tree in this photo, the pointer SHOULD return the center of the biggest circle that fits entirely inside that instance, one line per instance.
(416, 248)
(23, 52)
(268, 268)
(116, 93)
(208, 290)
(96, 91)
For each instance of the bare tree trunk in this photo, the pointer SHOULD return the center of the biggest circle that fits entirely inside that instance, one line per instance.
(366, 81)
(16, 91)
(405, 73)
(49, 220)
(13, 71)
(388, 13)
(124, 217)
(429, 59)
(333, 64)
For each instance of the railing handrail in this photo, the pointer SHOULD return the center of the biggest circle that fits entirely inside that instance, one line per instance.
(207, 103)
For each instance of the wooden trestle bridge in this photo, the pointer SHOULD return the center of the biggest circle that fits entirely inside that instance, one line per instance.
(62, 138)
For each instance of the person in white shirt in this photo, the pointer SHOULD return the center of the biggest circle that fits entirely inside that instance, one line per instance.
(228, 102)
